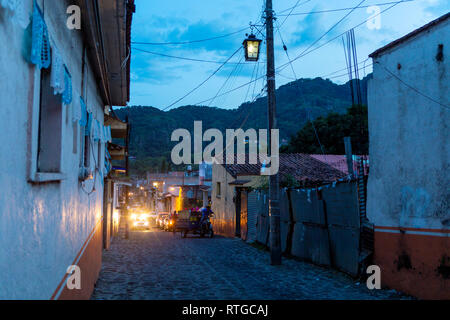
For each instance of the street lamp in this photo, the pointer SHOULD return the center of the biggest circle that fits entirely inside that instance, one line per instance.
(251, 46)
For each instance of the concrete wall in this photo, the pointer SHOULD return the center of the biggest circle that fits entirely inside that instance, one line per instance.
(44, 227)
(223, 206)
(408, 188)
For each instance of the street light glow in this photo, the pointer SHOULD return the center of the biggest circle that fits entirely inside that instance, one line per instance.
(252, 45)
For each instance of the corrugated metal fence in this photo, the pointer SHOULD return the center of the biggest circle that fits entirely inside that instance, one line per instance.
(322, 227)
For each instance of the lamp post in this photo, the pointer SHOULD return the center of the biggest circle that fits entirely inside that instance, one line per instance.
(252, 48)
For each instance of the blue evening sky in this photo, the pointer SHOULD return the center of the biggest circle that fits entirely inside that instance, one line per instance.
(159, 81)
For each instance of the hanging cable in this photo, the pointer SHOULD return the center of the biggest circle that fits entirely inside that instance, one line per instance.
(304, 53)
(206, 80)
(292, 9)
(282, 67)
(226, 80)
(181, 58)
(342, 9)
(413, 88)
(298, 86)
(328, 31)
(190, 41)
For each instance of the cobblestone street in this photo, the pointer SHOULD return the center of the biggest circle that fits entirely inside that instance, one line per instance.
(158, 265)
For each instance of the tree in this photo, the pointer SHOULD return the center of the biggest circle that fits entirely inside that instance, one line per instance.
(331, 130)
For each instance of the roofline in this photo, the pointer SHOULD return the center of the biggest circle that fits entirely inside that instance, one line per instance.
(94, 32)
(410, 35)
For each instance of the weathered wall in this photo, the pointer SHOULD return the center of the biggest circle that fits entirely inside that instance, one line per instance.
(408, 188)
(322, 229)
(43, 227)
(223, 206)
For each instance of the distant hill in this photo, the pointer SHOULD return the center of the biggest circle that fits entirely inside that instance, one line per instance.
(296, 102)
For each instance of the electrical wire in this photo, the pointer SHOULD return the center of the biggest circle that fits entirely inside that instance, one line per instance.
(201, 84)
(296, 81)
(282, 67)
(413, 88)
(181, 58)
(226, 80)
(338, 36)
(327, 32)
(190, 41)
(342, 9)
(292, 9)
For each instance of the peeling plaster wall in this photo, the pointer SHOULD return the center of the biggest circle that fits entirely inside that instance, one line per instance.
(409, 134)
(408, 187)
(42, 226)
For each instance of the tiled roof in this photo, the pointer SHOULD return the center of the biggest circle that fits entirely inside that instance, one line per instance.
(301, 167)
(339, 162)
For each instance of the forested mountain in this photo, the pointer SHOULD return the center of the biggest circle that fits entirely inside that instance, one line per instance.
(297, 102)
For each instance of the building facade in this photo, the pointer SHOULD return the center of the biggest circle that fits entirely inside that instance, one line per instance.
(231, 183)
(408, 187)
(55, 85)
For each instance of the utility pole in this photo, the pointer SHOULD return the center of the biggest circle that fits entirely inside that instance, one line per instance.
(349, 154)
(274, 209)
(127, 169)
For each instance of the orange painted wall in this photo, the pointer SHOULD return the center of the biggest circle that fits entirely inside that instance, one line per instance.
(415, 264)
(90, 264)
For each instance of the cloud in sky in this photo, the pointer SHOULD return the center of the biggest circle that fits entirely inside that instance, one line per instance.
(158, 81)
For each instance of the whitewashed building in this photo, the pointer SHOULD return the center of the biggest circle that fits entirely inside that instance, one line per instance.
(56, 84)
(408, 187)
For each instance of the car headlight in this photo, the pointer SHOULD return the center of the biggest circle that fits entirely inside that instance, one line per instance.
(134, 216)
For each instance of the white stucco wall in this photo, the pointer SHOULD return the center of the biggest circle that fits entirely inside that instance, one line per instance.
(409, 134)
(42, 226)
(223, 207)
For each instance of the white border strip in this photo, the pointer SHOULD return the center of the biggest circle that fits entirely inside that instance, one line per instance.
(423, 233)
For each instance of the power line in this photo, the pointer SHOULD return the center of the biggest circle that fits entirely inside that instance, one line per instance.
(302, 54)
(206, 80)
(338, 36)
(190, 41)
(342, 9)
(226, 80)
(412, 88)
(327, 76)
(296, 81)
(181, 58)
(328, 31)
(292, 9)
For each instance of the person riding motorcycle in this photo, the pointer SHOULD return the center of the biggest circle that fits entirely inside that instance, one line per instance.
(206, 212)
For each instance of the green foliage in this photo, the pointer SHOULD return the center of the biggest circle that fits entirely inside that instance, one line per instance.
(297, 103)
(331, 131)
